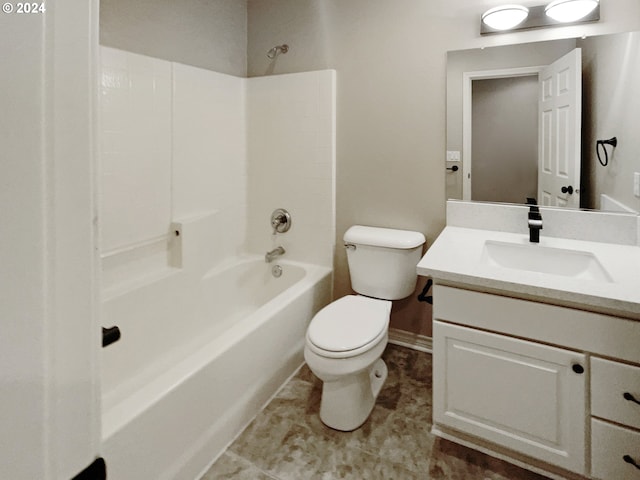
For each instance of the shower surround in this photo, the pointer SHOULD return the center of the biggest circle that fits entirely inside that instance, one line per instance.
(193, 162)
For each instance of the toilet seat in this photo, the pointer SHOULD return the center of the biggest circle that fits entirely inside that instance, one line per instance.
(349, 326)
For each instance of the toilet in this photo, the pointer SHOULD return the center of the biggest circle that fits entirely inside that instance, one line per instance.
(345, 340)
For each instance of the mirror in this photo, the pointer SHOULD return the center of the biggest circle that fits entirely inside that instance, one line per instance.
(610, 107)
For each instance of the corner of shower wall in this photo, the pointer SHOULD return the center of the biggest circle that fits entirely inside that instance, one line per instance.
(209, 156)
(291, 142)
(173, 148)
(135, 162)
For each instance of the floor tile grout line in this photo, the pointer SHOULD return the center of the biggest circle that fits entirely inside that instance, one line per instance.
(246, 460)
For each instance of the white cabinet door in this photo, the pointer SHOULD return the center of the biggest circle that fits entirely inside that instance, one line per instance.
(521, 395)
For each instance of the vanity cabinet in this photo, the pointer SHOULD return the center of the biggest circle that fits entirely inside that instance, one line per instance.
(521, 395)
(542, 385)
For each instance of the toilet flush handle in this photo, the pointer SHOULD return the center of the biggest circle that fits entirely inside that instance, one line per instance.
(350, 246)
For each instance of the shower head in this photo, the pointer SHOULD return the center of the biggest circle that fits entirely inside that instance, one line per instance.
(277, 50)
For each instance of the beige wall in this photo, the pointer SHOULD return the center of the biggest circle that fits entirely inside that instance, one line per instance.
(210, 34)
(390, 59)
(611, 76)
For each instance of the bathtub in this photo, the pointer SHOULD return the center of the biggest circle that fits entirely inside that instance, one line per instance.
(218, 363)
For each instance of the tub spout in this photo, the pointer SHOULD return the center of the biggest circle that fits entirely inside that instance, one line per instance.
(276, 252)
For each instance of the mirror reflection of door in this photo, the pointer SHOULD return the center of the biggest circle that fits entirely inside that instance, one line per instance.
(521, 134)
(560, 112)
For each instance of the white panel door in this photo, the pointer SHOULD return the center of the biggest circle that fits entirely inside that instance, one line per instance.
(559, 126)
(517, 394)
(50, 338)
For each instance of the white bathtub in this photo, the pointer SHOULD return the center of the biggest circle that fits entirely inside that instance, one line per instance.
(206, 378)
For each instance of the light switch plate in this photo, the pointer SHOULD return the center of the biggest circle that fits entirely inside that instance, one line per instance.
(453, 156)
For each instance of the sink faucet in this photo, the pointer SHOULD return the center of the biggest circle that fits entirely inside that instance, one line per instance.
(535, 220)
(276, 252)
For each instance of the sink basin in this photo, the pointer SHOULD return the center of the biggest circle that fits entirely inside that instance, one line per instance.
(548, 260)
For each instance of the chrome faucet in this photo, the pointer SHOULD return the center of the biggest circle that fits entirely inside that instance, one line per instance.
(276, 252)
(535, 221)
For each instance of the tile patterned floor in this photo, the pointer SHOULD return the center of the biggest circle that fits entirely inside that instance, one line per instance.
(287, 440)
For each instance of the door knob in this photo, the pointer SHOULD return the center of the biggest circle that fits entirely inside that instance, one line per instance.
(568, 189)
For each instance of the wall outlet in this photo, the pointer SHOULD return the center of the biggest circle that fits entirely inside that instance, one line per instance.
(453, 156)
(636, 184)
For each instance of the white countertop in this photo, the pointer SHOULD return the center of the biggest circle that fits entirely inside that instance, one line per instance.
(456, 258)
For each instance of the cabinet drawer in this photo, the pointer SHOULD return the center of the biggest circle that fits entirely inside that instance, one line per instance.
(609, 446)
(610, 381)
(575, 329)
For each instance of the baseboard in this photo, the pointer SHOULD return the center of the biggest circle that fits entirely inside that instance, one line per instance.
(415, 341)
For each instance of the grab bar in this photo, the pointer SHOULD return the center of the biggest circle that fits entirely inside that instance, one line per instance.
(110, 335)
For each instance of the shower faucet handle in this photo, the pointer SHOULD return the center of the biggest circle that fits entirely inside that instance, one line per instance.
(277, 220)
(280, 221)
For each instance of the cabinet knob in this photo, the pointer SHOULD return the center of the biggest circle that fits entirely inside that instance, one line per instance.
(576, 367)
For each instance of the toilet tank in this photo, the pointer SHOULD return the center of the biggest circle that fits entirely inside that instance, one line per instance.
(382, 261)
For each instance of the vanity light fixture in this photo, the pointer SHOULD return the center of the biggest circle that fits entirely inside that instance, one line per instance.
(570, 10)
(505, 17)
(509, 18)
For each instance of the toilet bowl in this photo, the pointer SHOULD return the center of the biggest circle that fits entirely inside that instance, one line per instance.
(346, 339)
(344, 343)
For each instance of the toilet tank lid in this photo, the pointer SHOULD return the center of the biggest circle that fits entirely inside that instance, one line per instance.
(383, 237)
